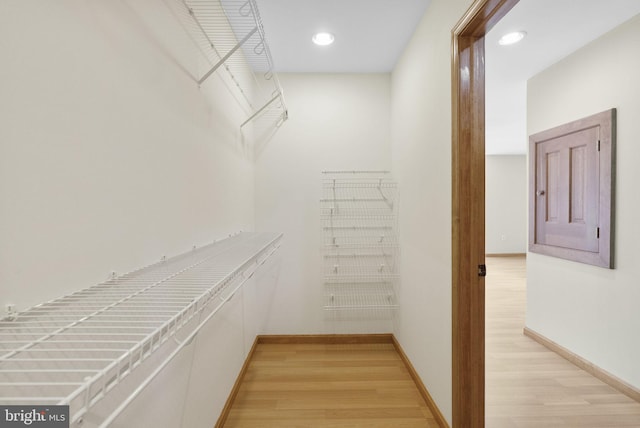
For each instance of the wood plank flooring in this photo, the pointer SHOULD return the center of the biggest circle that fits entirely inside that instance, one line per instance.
(328, 385)
(367, 385)
(526, 384)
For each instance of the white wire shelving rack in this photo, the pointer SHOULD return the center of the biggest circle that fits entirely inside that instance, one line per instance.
(76, 349)
(230, 35)
(358, 216)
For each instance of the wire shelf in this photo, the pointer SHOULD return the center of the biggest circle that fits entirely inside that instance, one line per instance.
(358, 217)
(355, 278)
(75, 349)
(360, 296)
(231, 37)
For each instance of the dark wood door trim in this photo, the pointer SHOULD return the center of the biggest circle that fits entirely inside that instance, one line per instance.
(468, 160)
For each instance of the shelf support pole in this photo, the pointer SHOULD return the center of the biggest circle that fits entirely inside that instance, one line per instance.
(277, 96)
(228, 55)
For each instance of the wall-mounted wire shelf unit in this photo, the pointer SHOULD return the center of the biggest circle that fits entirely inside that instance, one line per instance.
(358, 216)
(231, 36)
(80, 348)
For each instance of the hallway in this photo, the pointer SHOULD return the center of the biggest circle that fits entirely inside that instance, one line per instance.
(528, 386)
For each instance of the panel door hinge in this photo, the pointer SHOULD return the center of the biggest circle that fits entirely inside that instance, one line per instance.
(598, 145)
(597, 233)
(482, 270)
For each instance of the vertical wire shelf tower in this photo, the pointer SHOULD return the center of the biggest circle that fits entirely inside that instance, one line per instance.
(358, 212)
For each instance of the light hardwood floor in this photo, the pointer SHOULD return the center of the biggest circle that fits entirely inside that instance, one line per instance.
(368, 386)
(328, 385)
(526, 384)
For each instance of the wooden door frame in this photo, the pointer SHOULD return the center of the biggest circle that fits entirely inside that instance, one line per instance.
(467, 217)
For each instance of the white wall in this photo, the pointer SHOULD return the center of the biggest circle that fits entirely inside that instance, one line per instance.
(111, 157)
(110, 154)
(506, 204)
(589, 310)
(337, 122)
(421, 152)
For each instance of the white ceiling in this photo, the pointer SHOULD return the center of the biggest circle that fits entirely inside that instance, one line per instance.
(371, 35)
(555, 28)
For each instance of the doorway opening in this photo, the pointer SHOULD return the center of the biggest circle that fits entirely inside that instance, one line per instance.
(468, 211)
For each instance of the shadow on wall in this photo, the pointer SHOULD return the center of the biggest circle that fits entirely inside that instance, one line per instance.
(213, 107)
(266, 283)
(264, 131)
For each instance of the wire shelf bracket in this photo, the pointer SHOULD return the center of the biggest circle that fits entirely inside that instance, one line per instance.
(228, 55)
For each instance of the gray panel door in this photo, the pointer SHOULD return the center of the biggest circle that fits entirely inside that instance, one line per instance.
(567, 190)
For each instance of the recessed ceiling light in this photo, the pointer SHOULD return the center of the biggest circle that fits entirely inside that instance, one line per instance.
(323, 39)
(511, 38)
